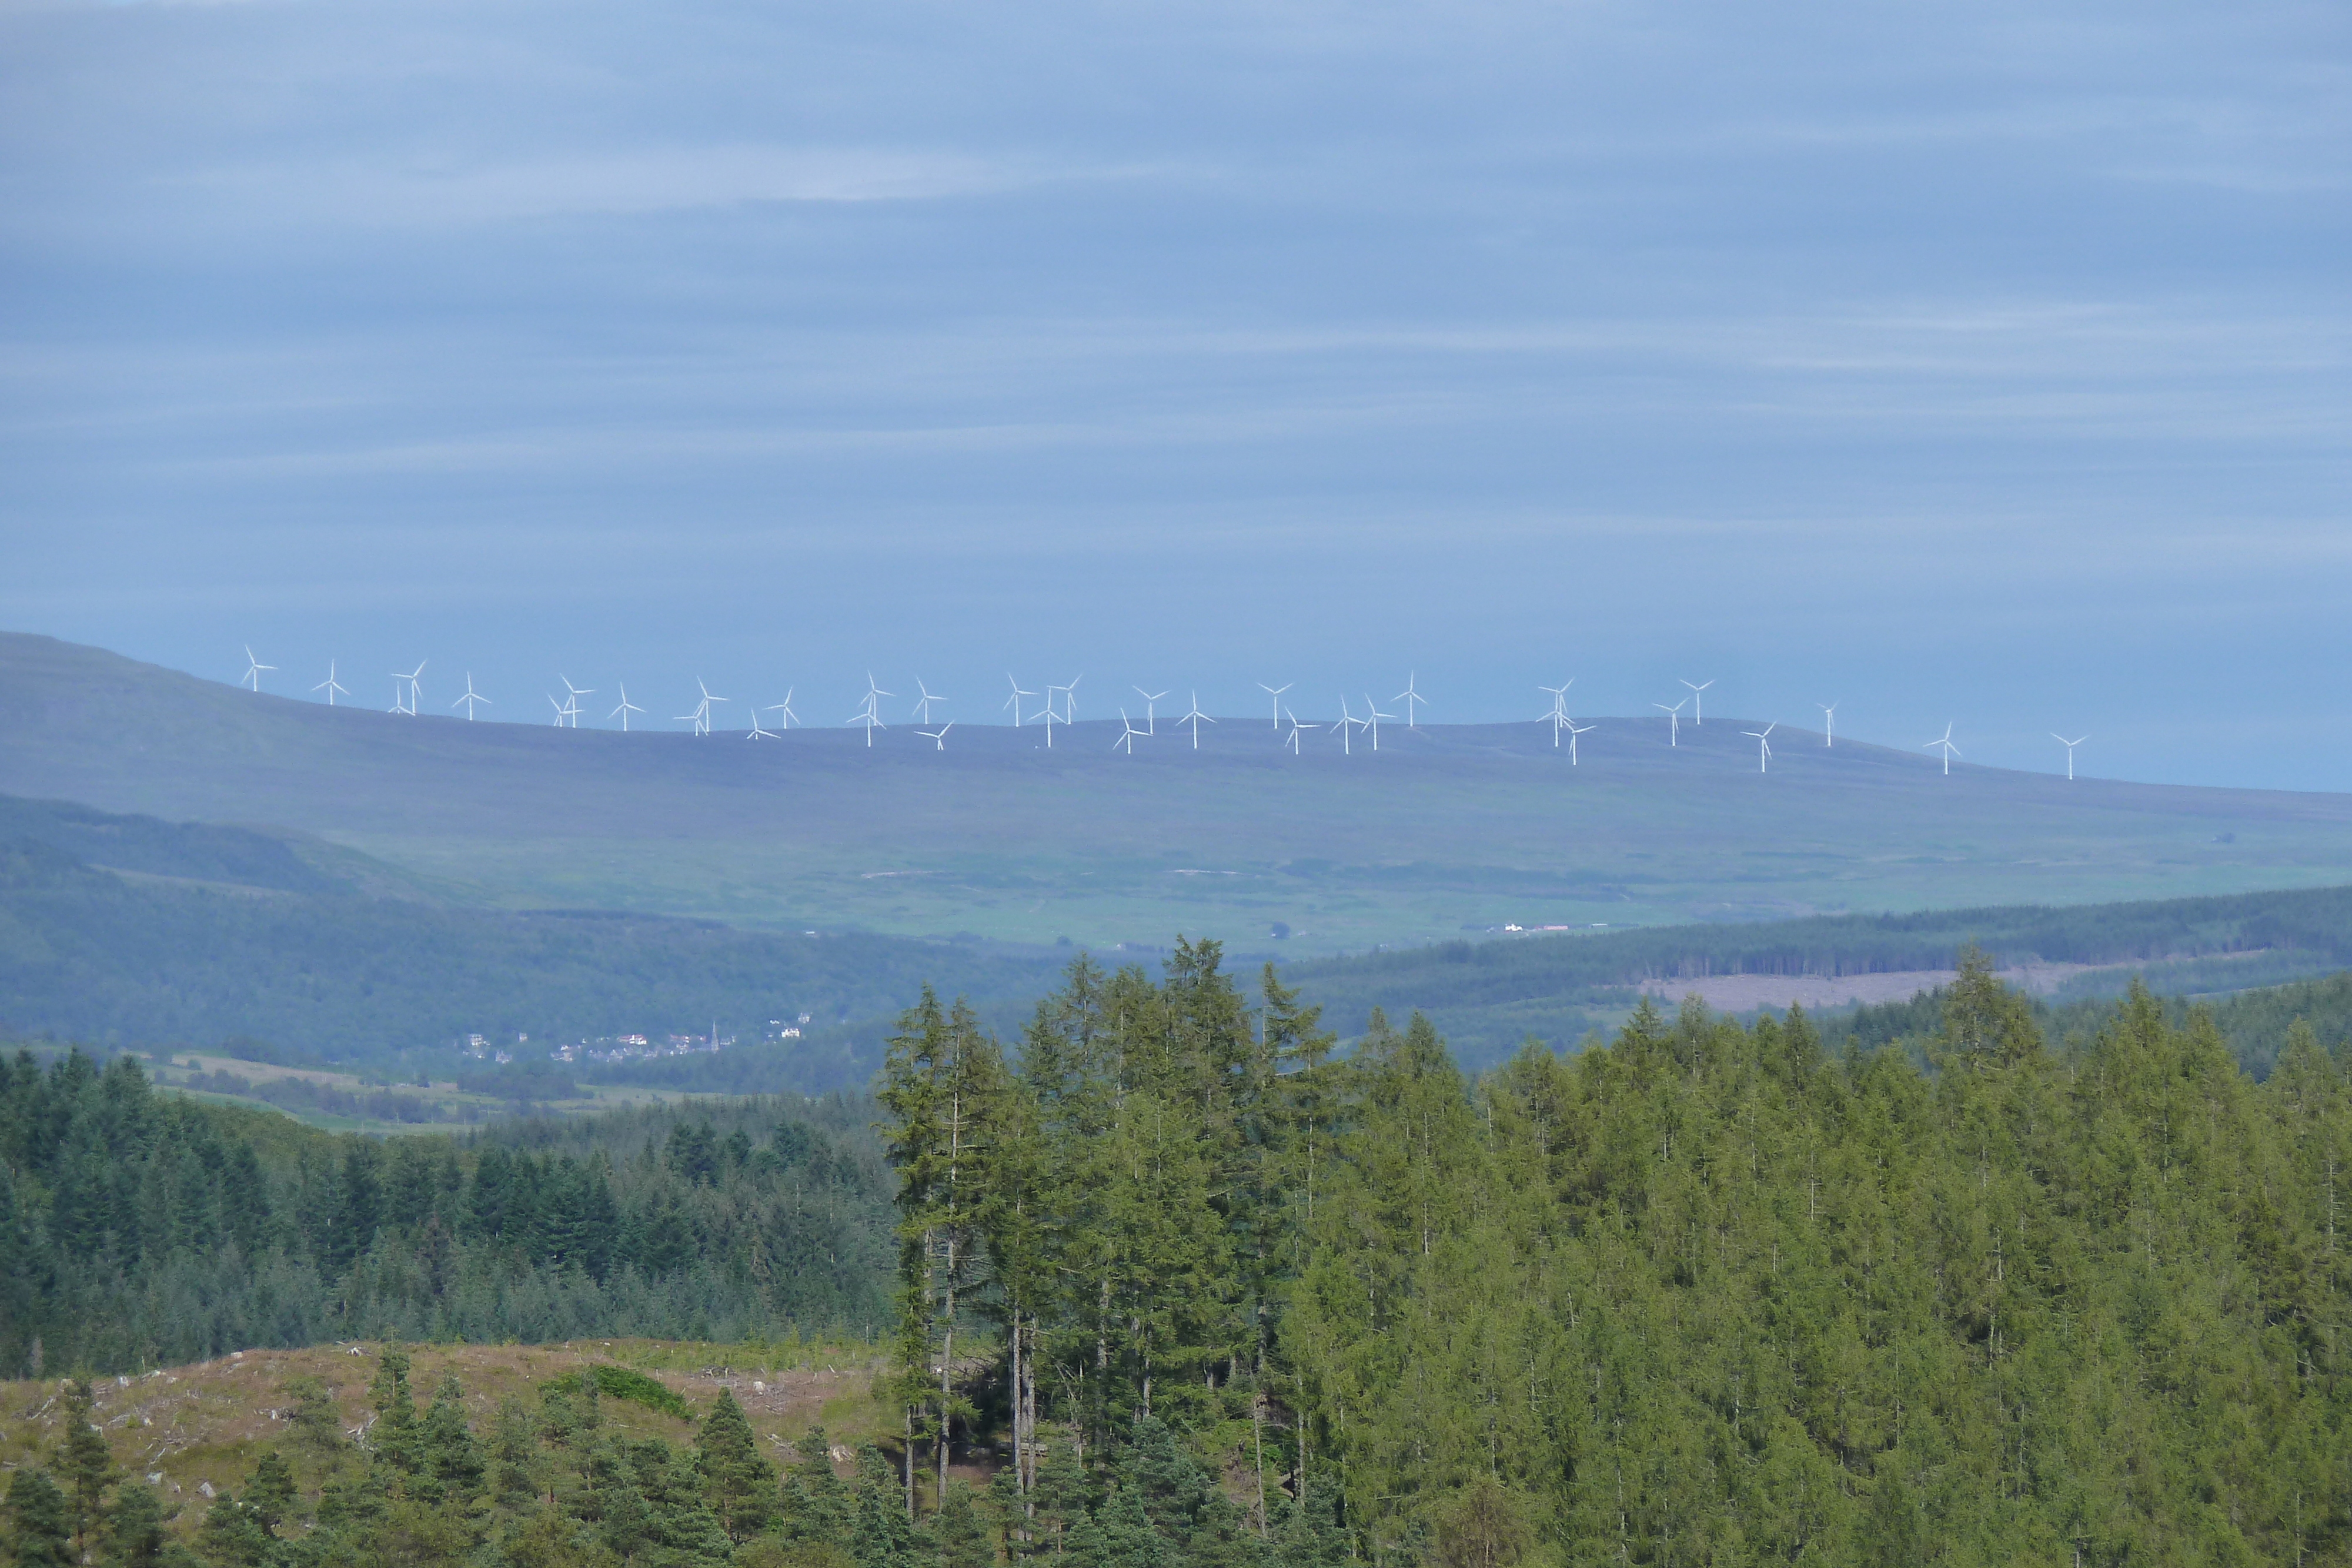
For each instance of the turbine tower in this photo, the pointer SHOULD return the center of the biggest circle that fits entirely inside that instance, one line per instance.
(1013, 702)
(1951, 751)
(1698, 704)
(1150, 700)
(1763, 740)
(785, 706)
(1129, 734)
(1275, 693)
(331, 685)
(1674, 722)
(1347, 727)
(573, 695)
(1297, 728)
(471, 697)
(1829, 722)
(1408, 696)
(1558, 714)
(1196, 718)
(411, 678)
(1573, 731)
(625, 709)
(253, 668)
(2069, 745)
(1375, 720)
(924, 703)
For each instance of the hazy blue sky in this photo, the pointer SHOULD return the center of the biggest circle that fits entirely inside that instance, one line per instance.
(1981, 362)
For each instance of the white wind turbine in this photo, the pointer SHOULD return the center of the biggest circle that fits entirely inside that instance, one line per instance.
(756, 732)
(1375, 720)
(870, 716)
(1674, 722)
(938, 737)
(1013, 702)
(573, 695)
(1409, 696)
(1829, 722)
(1574, 729)
(1347, 727)
(1070, 700)
(331, 685)
(785, 707)
(699, 717)
(561, 712)
(471, 697)
(1050, 716)
(1698, 704)
(1951, 751)
(924, 703)
(625, 709)
(2069, 745)
(1150, 702)
(1558, 714)
(1196, 718)
(253, 668)
(1297, 728)
(1129, 734)
(1275, 693)
(399, 697)
(1763, 740)
(411, 678)
(709, 697)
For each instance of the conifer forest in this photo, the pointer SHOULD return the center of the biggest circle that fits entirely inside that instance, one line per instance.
(1172, 1281)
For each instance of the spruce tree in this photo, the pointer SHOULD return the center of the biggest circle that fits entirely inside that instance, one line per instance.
(135, 1534)
(40, 1521)
(85, 1464)
(737, 1479)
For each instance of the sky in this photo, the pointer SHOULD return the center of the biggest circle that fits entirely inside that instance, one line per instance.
(1981, 364)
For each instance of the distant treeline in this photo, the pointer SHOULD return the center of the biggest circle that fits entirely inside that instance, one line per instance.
(1488, 996)
(139, 1227)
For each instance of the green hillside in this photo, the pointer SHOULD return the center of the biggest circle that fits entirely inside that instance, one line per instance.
(1445, 830)
(221, 933)
(1487, 996)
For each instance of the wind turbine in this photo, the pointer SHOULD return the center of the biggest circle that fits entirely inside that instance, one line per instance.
(253, 668)
(2069, 745)
(1698, 704)
(1408, 696)
(1129, 734)
(1674, 722)
(561, 712)
(938, 737)
(867, 716)
(1347, 727)
(471, 697)
(625, 709)
(699, 717)
(1829, 722)
(786, 706)
(1070, 700)
(1196, 718)
(574, 694)
(922, 704)
(1763, 738)
(1275, 693)
(1573, 731)
(1013, 702)
(1150, 722)
(331, 685)
(756, 733)
(411, 679)
(1559, 715)
(399, 697)
(1050, 716)
(1295, 727)
(709, 697)
(1375, 720)
(1951, 751)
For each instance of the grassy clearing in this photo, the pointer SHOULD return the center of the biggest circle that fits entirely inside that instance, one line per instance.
(187, 1427)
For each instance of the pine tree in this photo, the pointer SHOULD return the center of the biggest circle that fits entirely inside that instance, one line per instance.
(86, 1465)
(448, 1461)
(737, 1479)
(135, 1534)
(393, 1434)
(41, 1521)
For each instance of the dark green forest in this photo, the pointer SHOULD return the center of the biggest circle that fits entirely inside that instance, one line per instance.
(1706, 1294)
(140, 1229)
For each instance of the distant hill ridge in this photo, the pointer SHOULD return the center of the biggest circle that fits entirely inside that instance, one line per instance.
(1445, 829)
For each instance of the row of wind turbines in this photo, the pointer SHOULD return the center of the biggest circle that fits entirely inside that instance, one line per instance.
(1060, 706)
